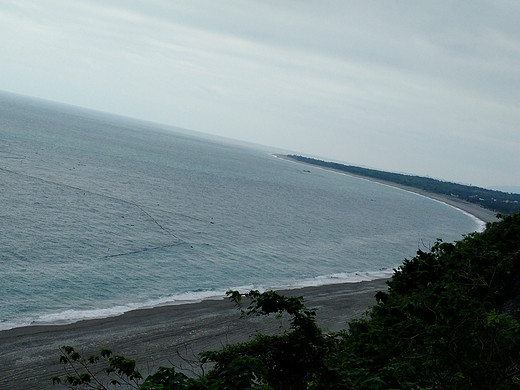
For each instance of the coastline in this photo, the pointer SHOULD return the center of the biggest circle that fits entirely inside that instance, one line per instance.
(164, 335)
(170, 334)
(480, 213)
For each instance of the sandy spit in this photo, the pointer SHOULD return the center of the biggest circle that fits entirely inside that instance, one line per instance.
(473, 209)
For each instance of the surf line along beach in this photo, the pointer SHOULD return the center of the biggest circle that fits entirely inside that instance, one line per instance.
(165, 335)
(169, 335)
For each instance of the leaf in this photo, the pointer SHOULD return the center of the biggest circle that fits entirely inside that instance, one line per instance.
(234, 296)
(56, 380)
(105, 353)
(85, 378)
(92, 359)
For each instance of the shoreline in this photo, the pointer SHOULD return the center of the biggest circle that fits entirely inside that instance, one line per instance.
(209, 295)
(474, 210)
(174, 333)
(479, 213)
(165, 335)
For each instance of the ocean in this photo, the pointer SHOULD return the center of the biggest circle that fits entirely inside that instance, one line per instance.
(101, 214)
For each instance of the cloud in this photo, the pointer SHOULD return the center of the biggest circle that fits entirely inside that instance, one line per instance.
(389, 85)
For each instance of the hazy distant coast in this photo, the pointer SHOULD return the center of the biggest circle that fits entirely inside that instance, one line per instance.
(473, 209)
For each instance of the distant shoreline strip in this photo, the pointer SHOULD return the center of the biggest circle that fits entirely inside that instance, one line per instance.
(480, 214)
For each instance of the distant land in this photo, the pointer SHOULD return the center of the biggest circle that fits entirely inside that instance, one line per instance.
(498, 201)
(513, 189)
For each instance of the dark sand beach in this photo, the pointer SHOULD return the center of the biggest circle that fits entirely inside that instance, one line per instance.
(159, 336)
(170, 334)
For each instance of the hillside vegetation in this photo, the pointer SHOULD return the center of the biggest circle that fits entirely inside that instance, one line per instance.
(498, 201)
(449, 320)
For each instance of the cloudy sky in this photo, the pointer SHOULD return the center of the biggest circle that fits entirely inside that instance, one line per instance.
(423, 87)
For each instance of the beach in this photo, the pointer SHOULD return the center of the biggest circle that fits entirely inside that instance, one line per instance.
(480, 213)
(165, 335)
(175, 334)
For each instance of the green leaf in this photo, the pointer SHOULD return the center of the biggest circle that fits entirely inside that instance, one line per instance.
(105, 353)
(56, 380)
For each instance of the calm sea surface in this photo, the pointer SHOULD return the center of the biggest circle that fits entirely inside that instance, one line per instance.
(101, 214)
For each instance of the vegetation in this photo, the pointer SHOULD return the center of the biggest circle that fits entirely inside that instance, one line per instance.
(449, 320)
(498, 201)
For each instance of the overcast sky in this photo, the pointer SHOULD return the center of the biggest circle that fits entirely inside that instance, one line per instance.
(423, 87)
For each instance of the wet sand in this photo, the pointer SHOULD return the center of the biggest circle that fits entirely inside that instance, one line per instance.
(164, 335)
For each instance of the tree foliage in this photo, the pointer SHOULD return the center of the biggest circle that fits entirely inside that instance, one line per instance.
(96, 371)
(449, 320)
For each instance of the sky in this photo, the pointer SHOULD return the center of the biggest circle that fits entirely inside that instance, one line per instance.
(430, 88)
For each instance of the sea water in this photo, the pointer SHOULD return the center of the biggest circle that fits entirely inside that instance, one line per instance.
(101, 214)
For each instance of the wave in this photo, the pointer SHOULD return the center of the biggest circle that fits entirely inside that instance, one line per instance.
(75, 315)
